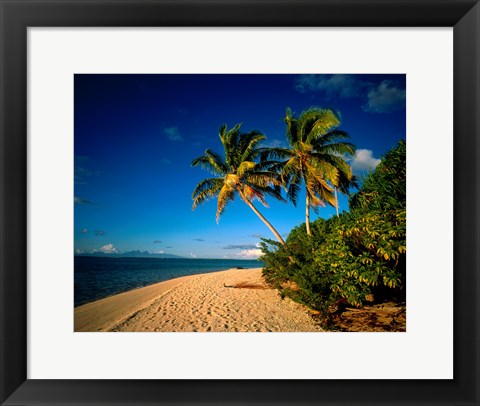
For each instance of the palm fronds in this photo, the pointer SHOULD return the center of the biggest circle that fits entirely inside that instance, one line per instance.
(239, 172)
(316, 157)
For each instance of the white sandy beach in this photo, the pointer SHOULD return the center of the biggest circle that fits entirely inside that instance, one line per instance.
(237, 300)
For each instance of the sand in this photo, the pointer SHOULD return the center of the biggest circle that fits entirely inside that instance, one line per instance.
(237, 300)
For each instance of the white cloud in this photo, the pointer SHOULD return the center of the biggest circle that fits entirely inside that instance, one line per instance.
(107, 249)
(344, 86)
(193, 255)
(240, 246)
(81, 200)
(80, 173)
(385, 98)
(252, 253)
(165, 161)
(173, 134)
(364, 161)
(84, 230)
(274, 143)
(78, 251)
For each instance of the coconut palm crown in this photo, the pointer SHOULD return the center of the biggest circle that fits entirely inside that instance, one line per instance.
(237, 173)
(316, 158)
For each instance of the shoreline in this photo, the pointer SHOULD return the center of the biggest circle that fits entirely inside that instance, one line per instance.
(92, 315)
(220, 301)
(155, 283)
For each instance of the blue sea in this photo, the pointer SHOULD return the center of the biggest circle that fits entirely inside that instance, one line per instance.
(99, 277)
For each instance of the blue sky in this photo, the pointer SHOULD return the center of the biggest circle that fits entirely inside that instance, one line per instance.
(136, 135)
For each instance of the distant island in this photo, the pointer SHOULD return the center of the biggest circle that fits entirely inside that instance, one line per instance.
(128, 254)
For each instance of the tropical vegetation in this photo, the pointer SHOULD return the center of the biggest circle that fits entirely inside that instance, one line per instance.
(354, 258)
(357, 258)
(238, 173)
(315, 158)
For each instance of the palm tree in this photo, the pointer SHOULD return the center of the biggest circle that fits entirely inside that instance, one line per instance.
(315, 158)
(238, 174)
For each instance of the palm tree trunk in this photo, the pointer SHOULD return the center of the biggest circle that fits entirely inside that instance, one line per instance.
(336, 202)
(307, 215)
(272, 229)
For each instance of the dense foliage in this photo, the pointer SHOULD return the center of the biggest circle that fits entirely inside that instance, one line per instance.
(386, 187)
(354, 259)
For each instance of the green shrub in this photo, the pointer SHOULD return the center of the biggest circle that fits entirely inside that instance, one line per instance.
(386, 187)
(357, 258)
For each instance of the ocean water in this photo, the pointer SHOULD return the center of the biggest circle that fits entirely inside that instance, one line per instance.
(99, 277)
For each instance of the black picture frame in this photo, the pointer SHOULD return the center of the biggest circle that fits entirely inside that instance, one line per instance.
(18, 15)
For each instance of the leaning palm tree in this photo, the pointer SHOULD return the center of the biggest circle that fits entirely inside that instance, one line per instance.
(238, 173)
(315, 158)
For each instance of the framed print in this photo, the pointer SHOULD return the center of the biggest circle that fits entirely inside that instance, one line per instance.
(110, 102)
